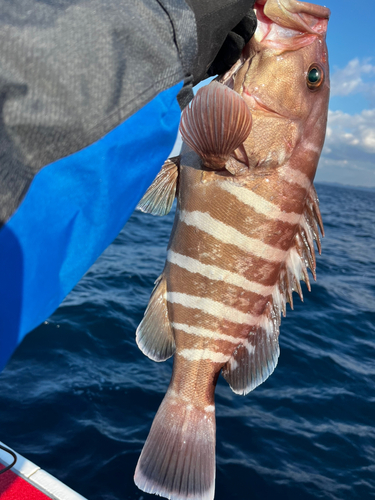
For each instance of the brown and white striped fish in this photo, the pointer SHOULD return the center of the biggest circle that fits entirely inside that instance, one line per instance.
(243, 237)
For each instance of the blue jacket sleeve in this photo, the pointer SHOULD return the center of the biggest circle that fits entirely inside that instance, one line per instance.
(88, 116)
(73, 210)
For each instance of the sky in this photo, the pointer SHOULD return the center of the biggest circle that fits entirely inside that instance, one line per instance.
(348, 155)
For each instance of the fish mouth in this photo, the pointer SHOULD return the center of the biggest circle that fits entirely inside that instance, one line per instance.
(256, 104)
(289, 24)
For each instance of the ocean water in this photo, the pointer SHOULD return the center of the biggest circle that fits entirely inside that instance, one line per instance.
(78, 397)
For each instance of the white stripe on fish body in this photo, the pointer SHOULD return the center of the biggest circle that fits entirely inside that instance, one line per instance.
(310, 146)
(204, 332)
(212, 307)
(259, 204)
(293, 176)
(204, 354)
(209, 409)
(229, 235)
(216, 273)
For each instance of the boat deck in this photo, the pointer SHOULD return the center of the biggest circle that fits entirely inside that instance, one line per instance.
(27, 481)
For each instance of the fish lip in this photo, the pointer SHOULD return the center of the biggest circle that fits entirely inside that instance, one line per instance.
(256, 104)
(303, 34)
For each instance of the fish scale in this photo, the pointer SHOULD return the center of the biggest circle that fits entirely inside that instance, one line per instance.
(243, 237)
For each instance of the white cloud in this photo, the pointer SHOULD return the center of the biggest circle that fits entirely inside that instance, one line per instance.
(351, 131)
(357, 77)
(349, 151)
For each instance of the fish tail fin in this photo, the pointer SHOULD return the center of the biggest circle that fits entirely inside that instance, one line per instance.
(178, 458)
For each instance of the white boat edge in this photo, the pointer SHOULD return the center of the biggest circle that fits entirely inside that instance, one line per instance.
(38, 477)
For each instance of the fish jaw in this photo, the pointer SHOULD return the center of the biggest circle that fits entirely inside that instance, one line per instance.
(289, 24)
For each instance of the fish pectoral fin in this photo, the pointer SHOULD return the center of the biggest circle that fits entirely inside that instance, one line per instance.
(159, 197)
(254, 360)
(154, 334)
(215, 124)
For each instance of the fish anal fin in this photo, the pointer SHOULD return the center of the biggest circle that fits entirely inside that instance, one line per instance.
(158, 199)
(178, 458)
(154, 334)
(254, 360)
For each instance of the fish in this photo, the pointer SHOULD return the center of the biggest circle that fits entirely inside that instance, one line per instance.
(243, 236)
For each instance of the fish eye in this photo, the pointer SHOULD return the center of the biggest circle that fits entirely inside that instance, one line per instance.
(315, 76)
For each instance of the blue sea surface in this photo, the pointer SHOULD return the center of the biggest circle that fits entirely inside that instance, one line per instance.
(78, 397)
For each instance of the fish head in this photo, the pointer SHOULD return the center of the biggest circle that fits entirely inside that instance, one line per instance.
(285, 82)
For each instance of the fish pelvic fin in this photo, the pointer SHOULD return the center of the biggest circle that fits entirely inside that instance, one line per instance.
(215, 124)
(178, 458)
(154, 334)
(159, 197)
(255, 359)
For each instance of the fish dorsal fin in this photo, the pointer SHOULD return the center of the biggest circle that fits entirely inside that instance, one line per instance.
(255, 359)
(158, 199)
(215, 124)
(154, 334)
(301, 255)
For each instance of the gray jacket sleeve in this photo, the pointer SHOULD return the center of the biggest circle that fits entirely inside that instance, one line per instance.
(72, 70)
